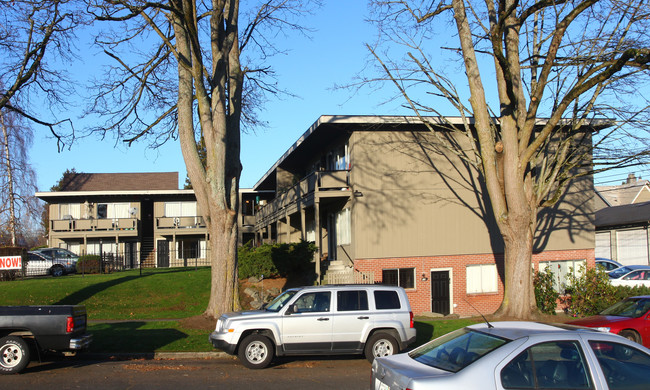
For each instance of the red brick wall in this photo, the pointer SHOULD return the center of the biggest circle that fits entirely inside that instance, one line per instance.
(420, 296)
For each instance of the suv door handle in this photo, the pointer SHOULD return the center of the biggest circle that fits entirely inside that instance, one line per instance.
(323, 319)
(362, 318)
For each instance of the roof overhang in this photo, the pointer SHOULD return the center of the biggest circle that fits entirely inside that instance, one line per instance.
(391, 123)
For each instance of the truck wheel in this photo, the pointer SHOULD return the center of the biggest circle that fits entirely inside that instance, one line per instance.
(256, 351)
(57, 270)
(14, 355)
(380, 344)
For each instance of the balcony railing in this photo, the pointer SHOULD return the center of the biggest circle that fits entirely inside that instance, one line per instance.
(317, 183)
(180, 222)
(85, 225)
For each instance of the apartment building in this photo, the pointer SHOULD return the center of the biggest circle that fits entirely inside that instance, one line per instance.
(379, 197)
(385, 204)
(140, 218)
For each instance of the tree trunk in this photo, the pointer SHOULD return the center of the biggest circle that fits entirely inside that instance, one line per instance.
(224, 290)
(518, 297)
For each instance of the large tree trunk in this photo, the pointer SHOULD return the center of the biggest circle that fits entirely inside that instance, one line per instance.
(223, 253)
(519, 297)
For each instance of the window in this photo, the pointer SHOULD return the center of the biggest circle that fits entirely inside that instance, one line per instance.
(180, 209)
(113, 210)
(386, 300)
(70, 211)
(351, 300)
(339, 158)
(482, 278)
(624, 367)
(402, 277)
(551, 365)
(313, 302)
(561, 270)
(343, 234)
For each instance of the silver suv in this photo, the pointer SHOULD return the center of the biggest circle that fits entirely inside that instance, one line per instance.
(375, 320)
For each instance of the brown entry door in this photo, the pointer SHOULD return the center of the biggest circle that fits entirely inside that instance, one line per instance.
(440, 292)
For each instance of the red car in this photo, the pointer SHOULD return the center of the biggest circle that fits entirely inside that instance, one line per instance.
(629, 318)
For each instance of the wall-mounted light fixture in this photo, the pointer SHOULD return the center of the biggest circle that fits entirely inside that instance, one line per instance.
(424, 277)
(357, 194)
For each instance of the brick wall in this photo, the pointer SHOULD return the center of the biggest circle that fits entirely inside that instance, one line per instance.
(486, 303)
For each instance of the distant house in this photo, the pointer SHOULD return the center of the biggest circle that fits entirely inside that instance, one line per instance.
(632, 190)
(385, 204)
(622, 233)
(142, 219)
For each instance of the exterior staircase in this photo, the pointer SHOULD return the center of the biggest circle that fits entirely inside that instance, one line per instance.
(342, 272)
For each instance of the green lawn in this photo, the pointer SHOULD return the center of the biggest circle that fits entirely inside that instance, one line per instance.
(148, 308)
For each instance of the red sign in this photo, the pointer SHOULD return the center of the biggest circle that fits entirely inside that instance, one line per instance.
(11, 262)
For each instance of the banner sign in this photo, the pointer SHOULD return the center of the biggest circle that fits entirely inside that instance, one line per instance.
(11, 262)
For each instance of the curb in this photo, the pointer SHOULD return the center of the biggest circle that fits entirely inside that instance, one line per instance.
(151, 355)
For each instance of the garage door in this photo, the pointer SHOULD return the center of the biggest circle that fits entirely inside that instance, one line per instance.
(603, 245)
(632, 246)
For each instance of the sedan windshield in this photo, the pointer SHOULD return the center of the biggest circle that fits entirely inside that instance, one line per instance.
(631, 307)
(281, 300)
(456, 350)
(618, 272)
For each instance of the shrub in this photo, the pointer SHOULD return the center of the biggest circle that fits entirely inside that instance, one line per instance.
(278, 260)
(9, 275)
(256, 261)
(545, 294)
(89, 264)
(591, 292)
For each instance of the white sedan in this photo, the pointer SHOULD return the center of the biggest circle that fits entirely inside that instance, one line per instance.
(518, 355)
(630, 275)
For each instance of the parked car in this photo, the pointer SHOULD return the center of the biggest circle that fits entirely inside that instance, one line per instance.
(630, 275)
(39, 264)
(607, 264)
(375, 320)
(61, 255)
(27, 329)
(630, 318)
(518, 355)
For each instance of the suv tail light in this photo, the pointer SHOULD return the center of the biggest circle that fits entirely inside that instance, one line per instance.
(69, 325)
(411, 315)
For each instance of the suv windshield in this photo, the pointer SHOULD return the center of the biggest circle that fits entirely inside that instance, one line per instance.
(456, 350)
(278, 303)
(631, 307)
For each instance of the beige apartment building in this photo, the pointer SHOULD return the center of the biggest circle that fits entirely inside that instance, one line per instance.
(382, 201)
(135, 218)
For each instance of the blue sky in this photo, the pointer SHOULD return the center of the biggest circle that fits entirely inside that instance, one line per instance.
(311, 68)
(334, 55)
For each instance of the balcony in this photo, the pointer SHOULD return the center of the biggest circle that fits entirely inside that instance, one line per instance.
(318, 185)
(93, 225)
(196, 222)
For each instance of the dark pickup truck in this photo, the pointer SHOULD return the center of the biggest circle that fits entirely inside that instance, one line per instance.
(59, 328)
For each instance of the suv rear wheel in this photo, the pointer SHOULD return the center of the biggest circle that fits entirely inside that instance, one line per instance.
(380, 344)
(256, 351)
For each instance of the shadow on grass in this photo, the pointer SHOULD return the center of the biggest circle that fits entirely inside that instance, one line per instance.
(128, 337)
(424, 333)
(85, 293)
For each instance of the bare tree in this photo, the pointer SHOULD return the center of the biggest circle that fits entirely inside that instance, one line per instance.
(574, 64)
(182, 73)
(19, 208)
(35, 39)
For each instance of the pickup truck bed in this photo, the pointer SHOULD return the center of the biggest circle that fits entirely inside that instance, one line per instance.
(60, 328)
